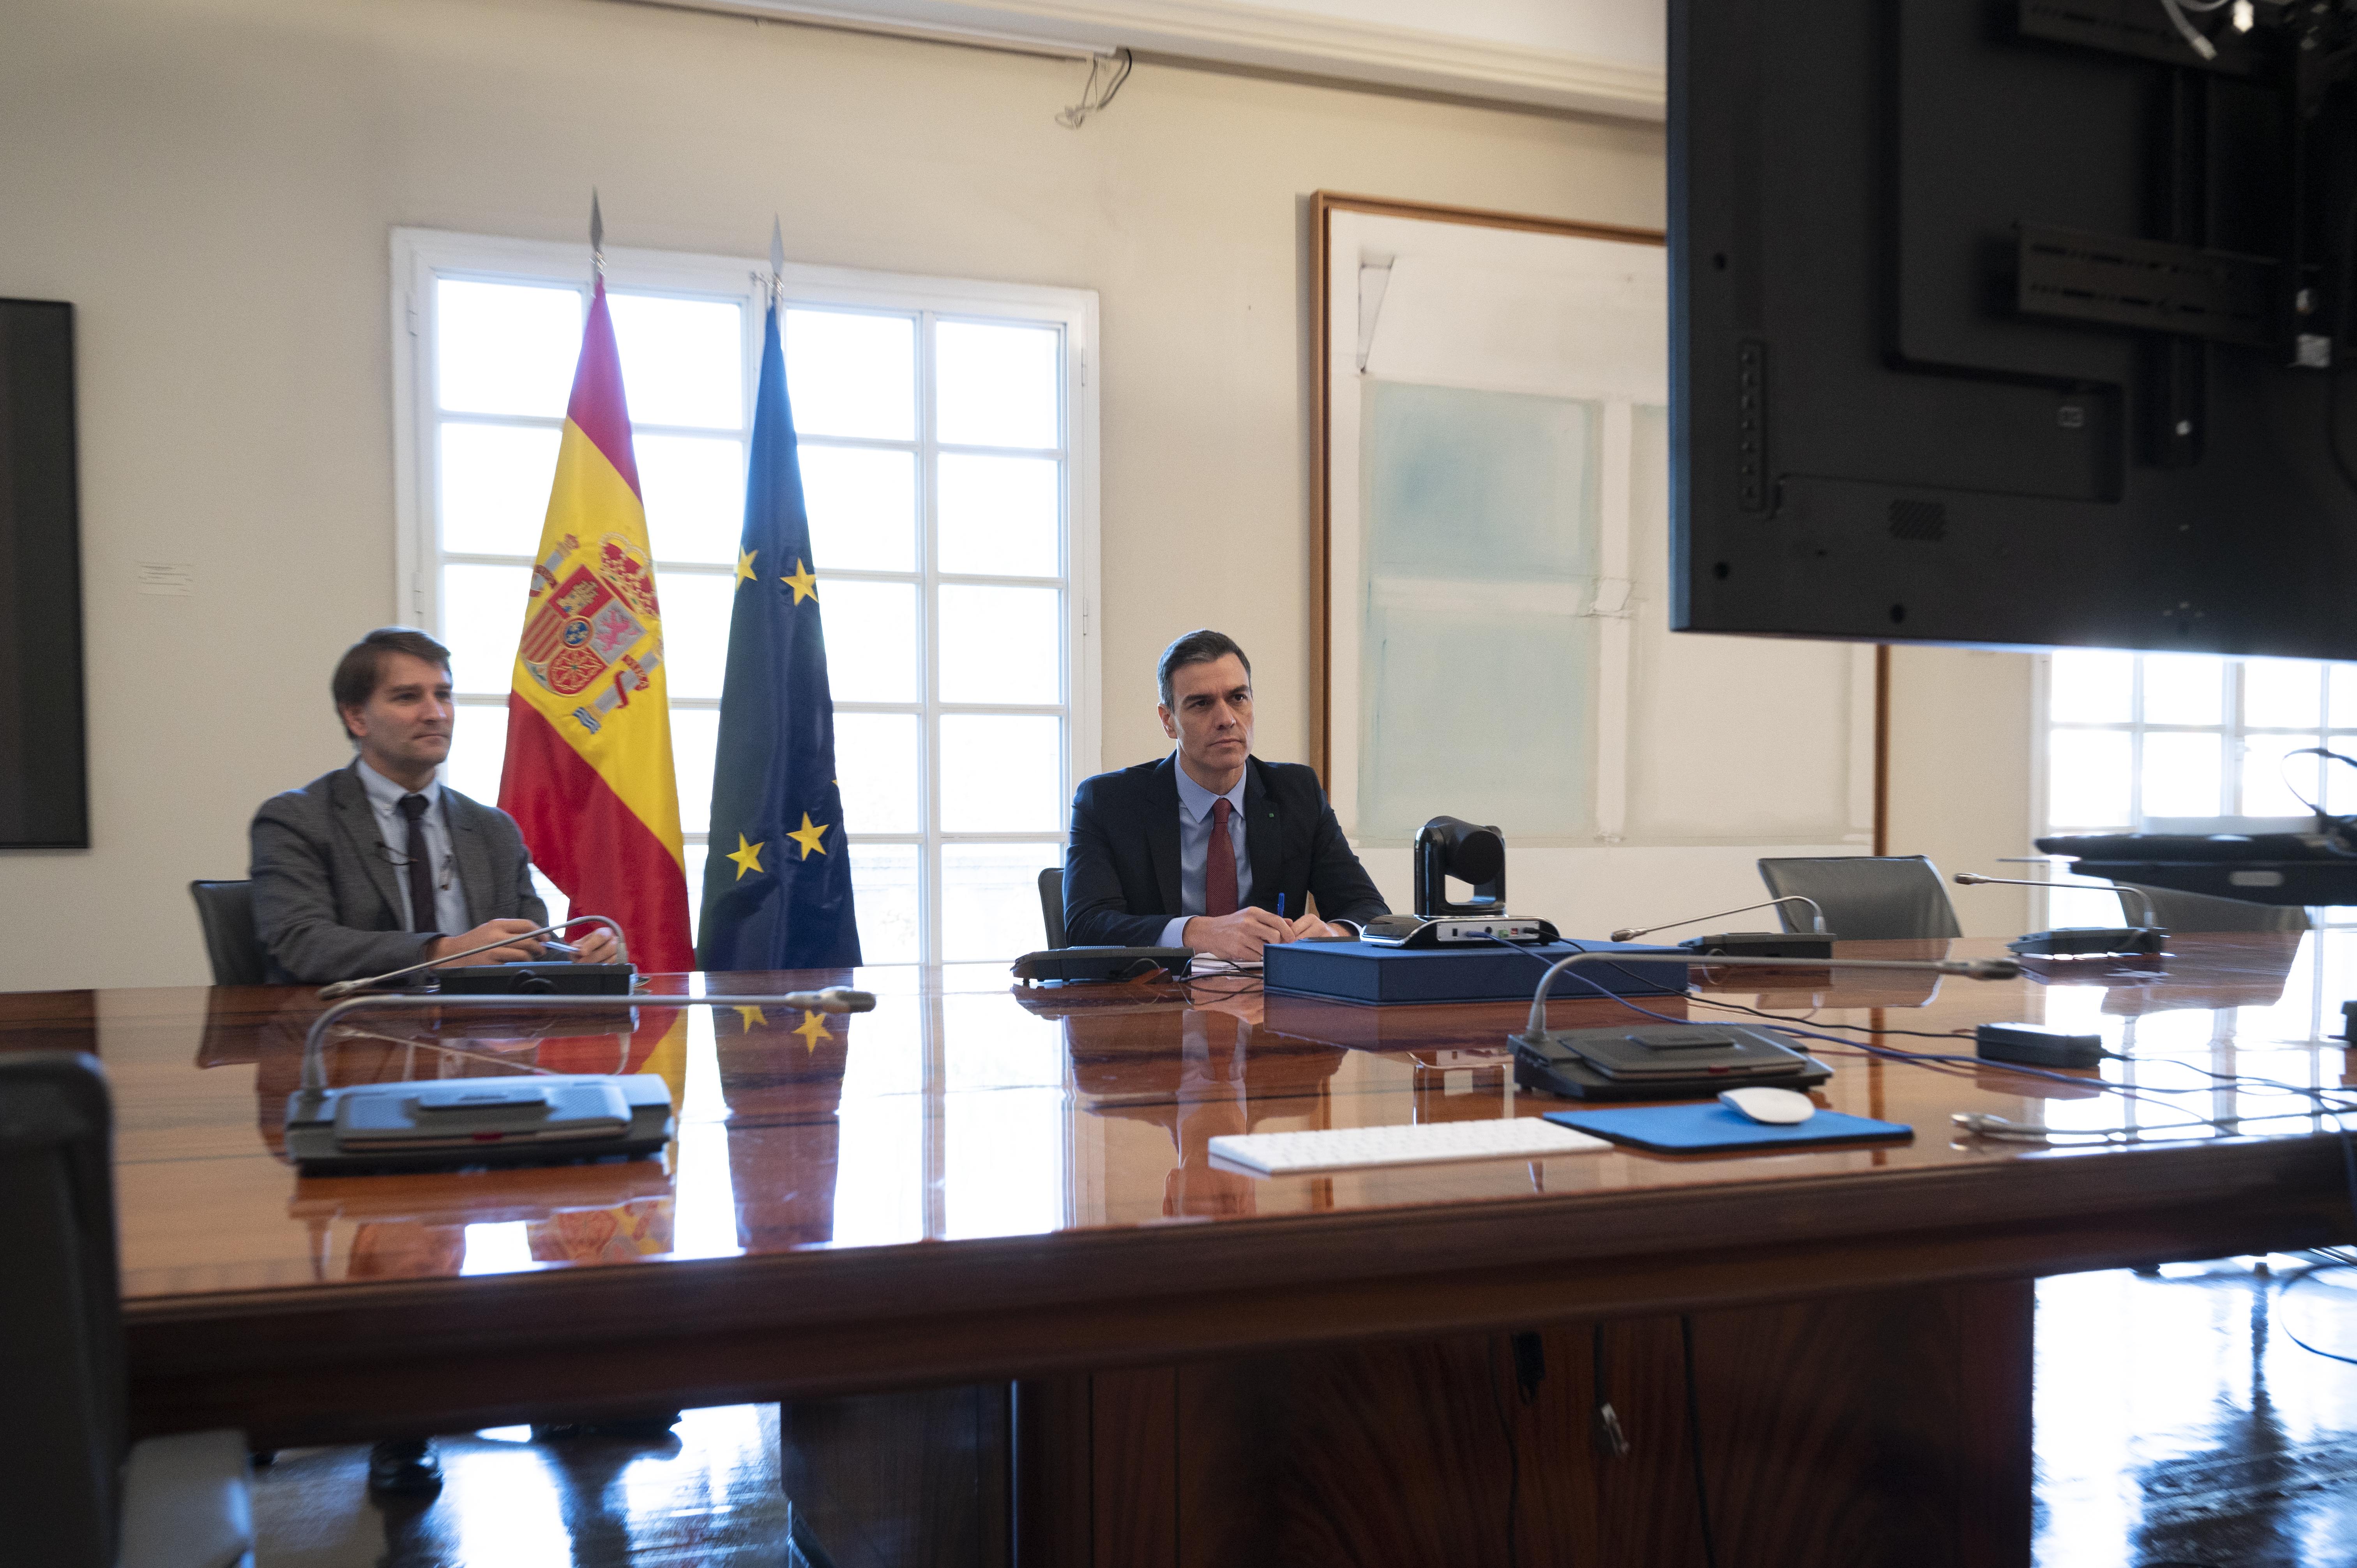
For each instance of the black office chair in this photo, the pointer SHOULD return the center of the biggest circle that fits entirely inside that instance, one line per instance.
(1865, 898)
(73, 1496)
(1051, 904)
(2190, 912)
(225, 909)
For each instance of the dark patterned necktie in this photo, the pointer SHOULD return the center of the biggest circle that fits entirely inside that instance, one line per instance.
(1220, 867)
(421, 864)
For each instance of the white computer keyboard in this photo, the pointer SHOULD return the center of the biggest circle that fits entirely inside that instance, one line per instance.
(1417, 1144)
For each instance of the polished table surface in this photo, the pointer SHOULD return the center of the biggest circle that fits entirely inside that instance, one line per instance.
(981, 1181)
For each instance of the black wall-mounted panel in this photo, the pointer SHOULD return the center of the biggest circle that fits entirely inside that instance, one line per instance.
(1873, 439)
(44, 758)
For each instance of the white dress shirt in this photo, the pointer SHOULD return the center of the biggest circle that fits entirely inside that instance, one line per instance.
(393, 827)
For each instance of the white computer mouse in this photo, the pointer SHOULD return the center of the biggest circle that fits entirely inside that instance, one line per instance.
(1775, 1107)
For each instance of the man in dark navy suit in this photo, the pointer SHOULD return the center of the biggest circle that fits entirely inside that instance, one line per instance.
(1210, 848)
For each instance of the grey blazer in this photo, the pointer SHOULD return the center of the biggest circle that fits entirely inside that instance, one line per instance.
(327, 901)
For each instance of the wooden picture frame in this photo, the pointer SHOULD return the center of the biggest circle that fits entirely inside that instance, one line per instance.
(1323, 205)
(1577, 873)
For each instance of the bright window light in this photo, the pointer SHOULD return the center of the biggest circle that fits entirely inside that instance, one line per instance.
(938, 453)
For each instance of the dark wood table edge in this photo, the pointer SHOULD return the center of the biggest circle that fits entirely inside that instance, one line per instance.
(444, 1354)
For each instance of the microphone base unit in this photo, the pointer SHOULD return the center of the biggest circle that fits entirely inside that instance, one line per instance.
(1660, 1062)
(1415, 931)
(2035, 1045)
(530, 978)
(447, 1123)
(2092, 941)
(1764, 944)
(1102, 964)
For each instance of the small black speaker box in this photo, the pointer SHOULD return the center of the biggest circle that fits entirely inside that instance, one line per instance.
(536, 979)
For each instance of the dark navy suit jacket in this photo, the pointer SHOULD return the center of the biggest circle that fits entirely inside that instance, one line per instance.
(1121, 874)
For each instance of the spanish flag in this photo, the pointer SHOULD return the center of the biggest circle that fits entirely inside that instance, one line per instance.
(588, 774)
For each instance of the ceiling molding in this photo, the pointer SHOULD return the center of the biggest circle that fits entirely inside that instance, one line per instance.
(1225, 33)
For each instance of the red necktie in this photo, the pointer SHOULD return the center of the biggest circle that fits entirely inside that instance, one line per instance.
(1220, 868)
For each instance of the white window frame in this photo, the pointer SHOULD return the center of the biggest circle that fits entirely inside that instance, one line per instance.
(421, 255)
(2234, 735)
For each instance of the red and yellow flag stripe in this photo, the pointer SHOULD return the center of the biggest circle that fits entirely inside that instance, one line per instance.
(589, 776)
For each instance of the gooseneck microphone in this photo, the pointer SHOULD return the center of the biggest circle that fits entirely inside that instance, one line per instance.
(1817, 915)
(1970, 968)
(340, 988)
(1974, 879)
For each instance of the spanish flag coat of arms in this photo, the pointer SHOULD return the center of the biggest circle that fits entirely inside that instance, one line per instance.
(588, 776)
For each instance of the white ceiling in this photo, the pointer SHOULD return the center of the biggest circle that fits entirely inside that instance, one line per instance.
(1630, 31)
(1598, 56)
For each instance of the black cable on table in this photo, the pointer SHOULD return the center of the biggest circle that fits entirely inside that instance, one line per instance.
(1919, 1059)
(2286, 1289)
(1814, 1024)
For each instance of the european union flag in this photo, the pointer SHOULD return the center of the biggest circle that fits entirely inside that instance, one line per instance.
(777, 877)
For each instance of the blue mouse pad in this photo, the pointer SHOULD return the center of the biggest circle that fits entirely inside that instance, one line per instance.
(1712, 1128)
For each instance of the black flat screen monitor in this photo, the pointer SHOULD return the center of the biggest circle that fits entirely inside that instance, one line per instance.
(2016, 324)
(44, 769)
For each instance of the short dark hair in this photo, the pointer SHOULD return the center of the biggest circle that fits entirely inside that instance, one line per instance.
(1201, 647)
(357, 672)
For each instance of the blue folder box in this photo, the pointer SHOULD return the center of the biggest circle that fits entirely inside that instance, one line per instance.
(1378, 976)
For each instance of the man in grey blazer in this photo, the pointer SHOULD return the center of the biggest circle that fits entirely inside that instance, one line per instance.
(376, 865)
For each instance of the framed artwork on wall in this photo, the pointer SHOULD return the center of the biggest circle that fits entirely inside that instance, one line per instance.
(1491, 490)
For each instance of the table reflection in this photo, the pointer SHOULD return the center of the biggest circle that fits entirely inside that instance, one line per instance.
(959, 1111)
(1195, 1073)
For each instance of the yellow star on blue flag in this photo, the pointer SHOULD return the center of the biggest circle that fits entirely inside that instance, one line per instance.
(774, 763)
(748, 856)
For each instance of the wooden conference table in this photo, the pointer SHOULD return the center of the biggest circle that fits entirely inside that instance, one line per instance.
(990, 1214)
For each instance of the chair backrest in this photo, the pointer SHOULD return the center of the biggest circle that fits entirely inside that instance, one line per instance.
(2192, 912)
(225, 909)
(63, 1442)
(1051, 904)
(1865, 898)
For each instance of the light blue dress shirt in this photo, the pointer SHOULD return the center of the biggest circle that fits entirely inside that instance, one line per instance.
(1195, 850)
(393, 827)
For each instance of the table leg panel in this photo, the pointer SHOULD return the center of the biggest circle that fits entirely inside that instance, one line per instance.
(1885, 1428)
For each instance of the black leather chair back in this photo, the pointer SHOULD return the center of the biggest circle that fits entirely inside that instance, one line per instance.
(1865, 898)
(1051, 904)
(225, 909)
(62, 1441)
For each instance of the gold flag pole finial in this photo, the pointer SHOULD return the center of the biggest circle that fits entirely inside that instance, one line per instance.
(596, 233)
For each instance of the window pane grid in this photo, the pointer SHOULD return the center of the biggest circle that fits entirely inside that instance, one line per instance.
(2159, 735)
(965, 871)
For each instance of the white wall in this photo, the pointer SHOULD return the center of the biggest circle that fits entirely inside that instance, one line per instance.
(211, 183)
(1960, 774)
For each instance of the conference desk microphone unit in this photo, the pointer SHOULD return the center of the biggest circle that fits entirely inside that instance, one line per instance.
(1688, 1061)
(2082, 942)
(525, 977)
(1812, 944)
(1099, 965)
(523, 1119)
